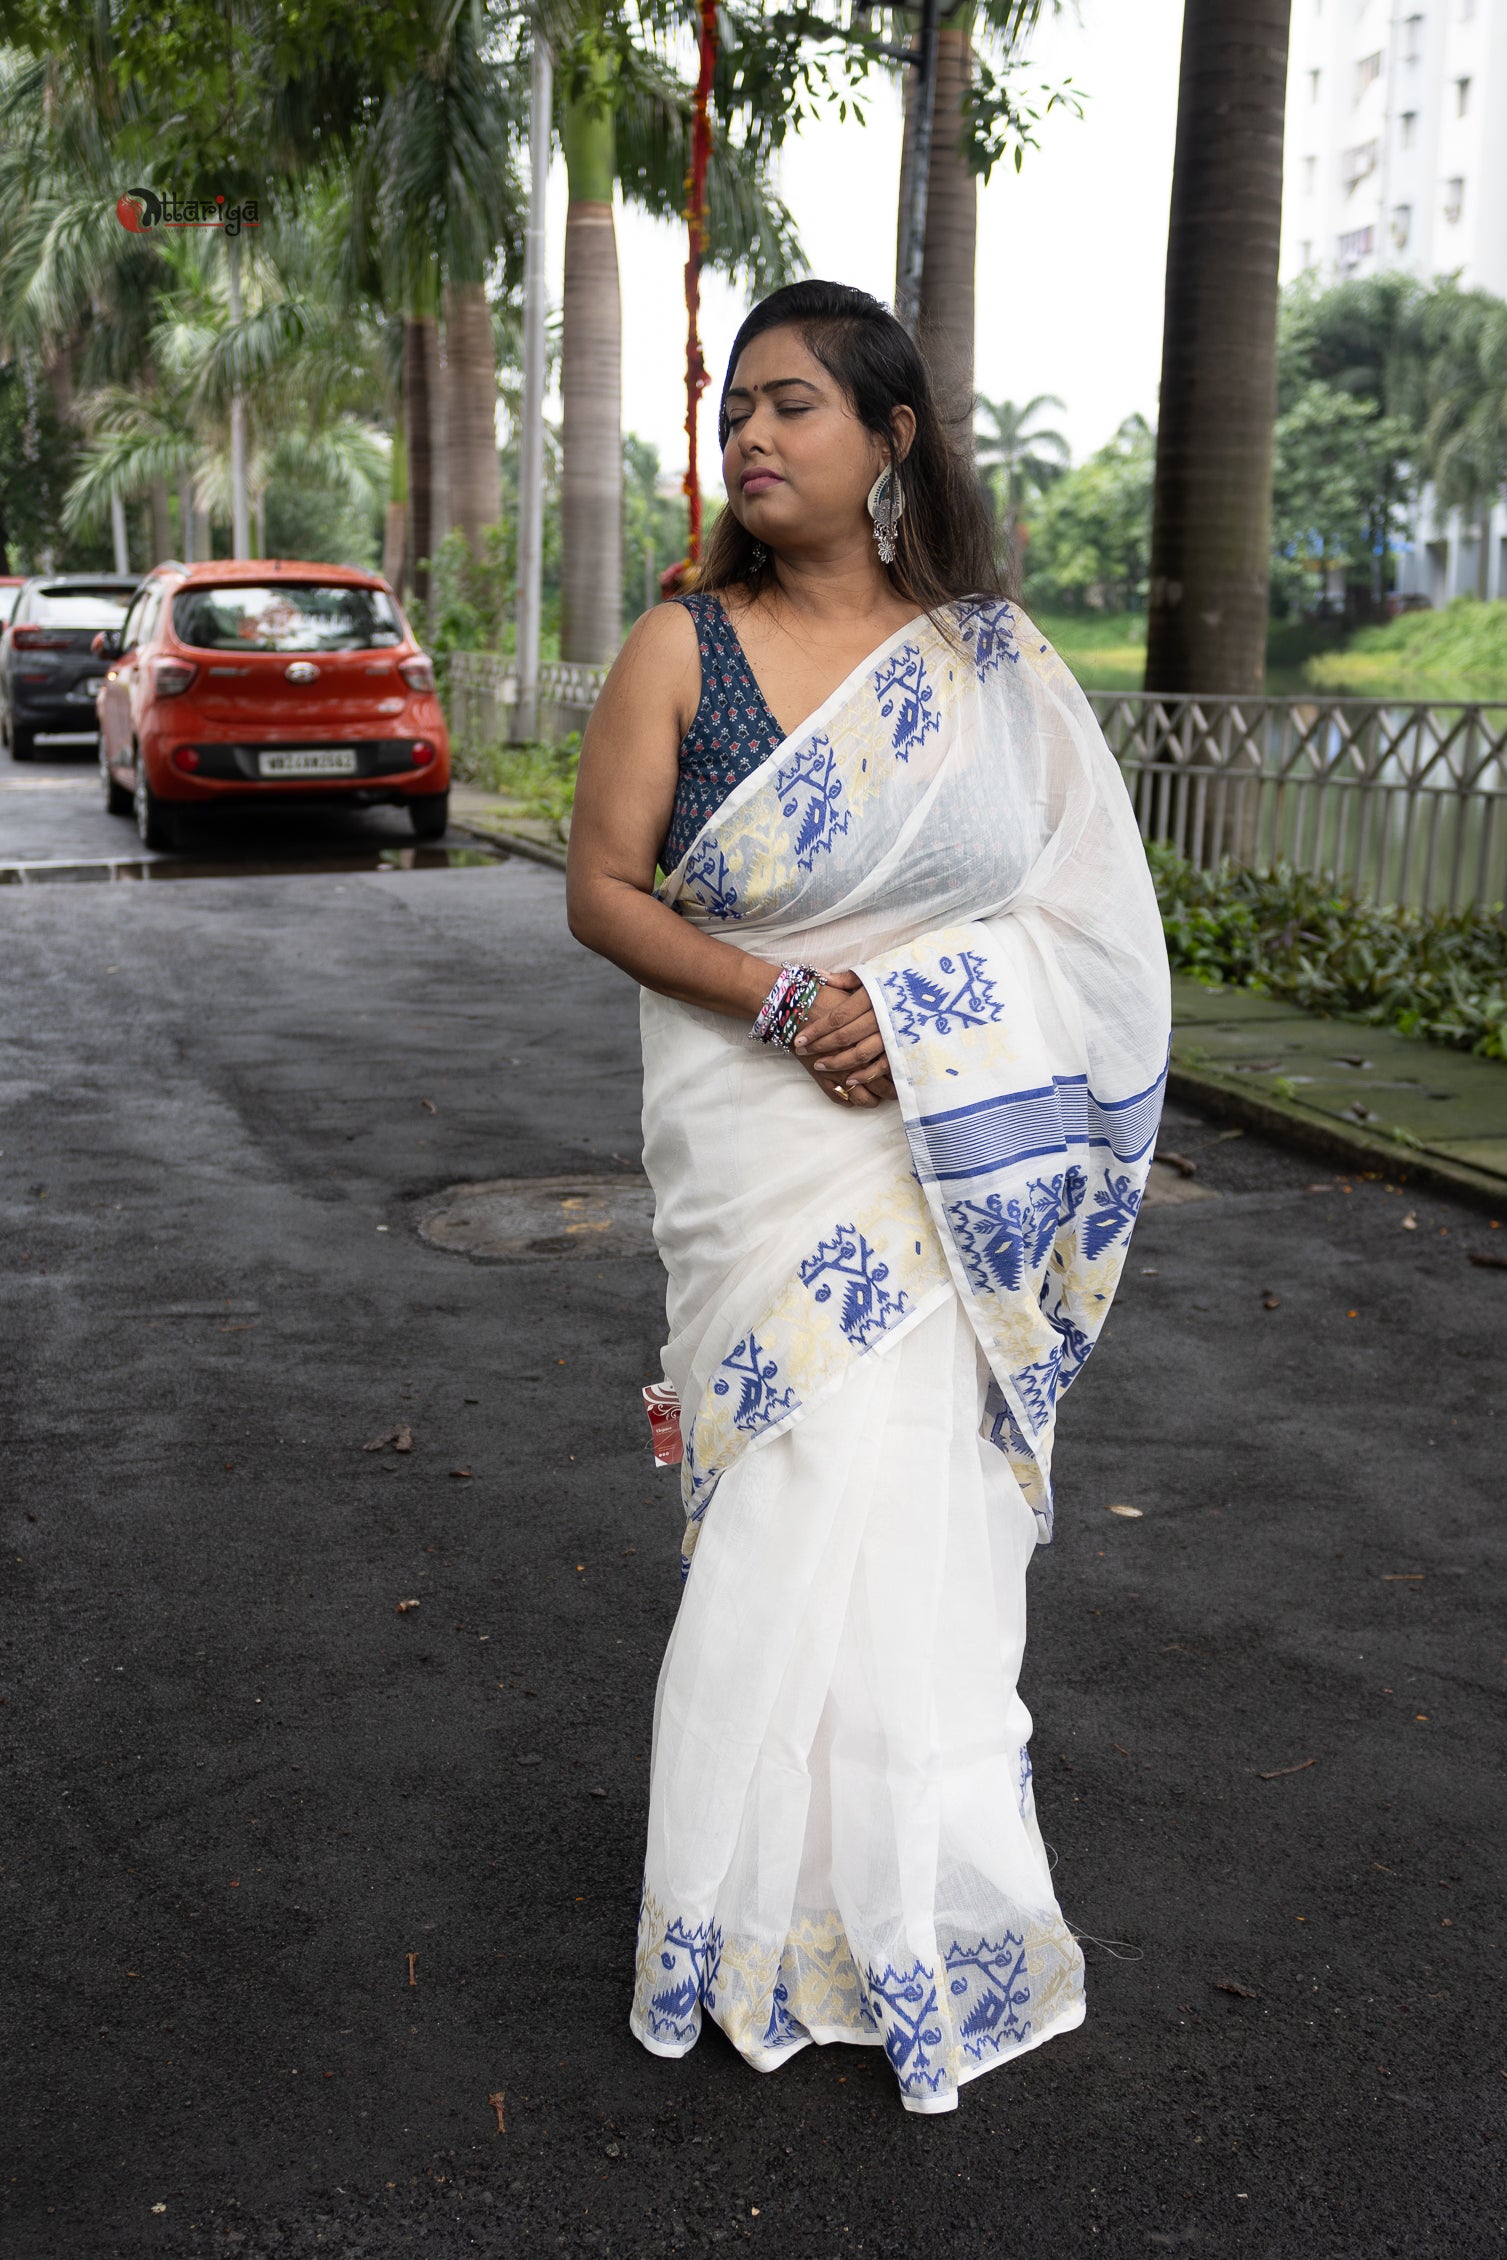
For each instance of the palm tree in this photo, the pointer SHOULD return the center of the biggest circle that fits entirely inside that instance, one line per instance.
(625, 115)
(1018, 456)
(1465, 429)
(1211, 508)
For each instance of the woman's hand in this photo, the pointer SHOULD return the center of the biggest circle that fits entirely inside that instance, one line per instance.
(841, 1046)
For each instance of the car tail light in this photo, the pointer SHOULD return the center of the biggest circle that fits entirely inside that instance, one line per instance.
(422, 754)
(418, 673)
(43, 639)
(186, 757)
(173, 677)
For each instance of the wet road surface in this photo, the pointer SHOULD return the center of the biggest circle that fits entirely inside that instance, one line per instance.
(247, 1786)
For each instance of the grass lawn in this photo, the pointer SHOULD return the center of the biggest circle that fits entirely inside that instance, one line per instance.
(1460, 652)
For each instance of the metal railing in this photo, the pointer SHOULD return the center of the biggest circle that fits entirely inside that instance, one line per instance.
(1398, 803)
(480, 687)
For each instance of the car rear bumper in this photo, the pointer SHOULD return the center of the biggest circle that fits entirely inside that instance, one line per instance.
(384, 771)
(43, 706)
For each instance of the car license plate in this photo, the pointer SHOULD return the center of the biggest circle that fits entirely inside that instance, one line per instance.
(309, 761)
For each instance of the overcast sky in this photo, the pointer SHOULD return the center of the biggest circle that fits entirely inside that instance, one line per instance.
(1070, 251)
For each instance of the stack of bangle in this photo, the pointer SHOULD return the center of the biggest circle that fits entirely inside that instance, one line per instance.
(786, 1009)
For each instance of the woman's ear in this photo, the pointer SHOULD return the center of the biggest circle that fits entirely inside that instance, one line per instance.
(903, 431)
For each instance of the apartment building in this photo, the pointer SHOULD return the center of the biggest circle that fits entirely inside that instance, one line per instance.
(1396, 157)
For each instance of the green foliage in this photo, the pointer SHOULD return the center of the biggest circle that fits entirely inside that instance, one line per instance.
(537, 780)
(36, 463)
(470, 597)
(1440, 974)
(1089, 537)
(1335, 490)
(652, 522)
(1460, 652)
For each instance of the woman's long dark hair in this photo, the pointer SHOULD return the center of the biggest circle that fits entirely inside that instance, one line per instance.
(945, 548)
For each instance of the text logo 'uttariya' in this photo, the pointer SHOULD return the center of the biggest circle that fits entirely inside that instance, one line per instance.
(142, 208)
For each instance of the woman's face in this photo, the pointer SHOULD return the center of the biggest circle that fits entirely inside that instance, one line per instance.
(798, 465)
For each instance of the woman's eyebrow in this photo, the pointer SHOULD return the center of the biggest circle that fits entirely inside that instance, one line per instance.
(775, 384)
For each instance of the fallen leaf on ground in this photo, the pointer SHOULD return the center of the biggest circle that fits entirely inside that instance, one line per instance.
(1180, 1163)
(496, 2103)
(1124, 1753)
(1271, 1302)
(405, 1606)
(1410, 1221)
(1135, 1513)
(463, 1472)
(413, 1966)
(429, 1106)
(1241, 1992)
(1278, 1771)
(1402, 1576)
(400, 1438)
(1485, 1262)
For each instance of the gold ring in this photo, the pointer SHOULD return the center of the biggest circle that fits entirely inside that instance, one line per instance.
(840, 1090)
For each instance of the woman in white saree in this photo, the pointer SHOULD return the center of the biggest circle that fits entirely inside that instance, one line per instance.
(892, 1222)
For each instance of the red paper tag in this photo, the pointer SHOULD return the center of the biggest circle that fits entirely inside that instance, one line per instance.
(663, 1408)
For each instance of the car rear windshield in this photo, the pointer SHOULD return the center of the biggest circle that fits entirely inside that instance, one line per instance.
(8, 601)
(290, 616)
(78, 608)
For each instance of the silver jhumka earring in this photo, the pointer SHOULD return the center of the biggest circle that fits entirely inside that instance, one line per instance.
(886, 506)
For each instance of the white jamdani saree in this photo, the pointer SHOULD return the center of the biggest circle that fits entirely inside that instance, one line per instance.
(872, 1315)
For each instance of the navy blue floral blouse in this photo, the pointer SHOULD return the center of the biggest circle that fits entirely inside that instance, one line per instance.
(732, 730)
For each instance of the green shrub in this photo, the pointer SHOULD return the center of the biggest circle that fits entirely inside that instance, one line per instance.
(1460, 652)
(539, 780)
(1441, 974)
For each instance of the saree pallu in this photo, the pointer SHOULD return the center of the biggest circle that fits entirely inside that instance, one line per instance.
(872, 1315)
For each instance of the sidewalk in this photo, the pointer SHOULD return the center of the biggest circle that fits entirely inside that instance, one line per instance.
(1364, 1097)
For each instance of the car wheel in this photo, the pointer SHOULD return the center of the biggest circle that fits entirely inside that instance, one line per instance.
(157, 826)
(429, 814)
(118, 802)
(23, 743)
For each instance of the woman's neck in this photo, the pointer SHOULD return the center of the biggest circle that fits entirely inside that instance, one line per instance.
(850, 586)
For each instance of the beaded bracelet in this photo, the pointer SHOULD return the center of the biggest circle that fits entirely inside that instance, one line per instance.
(787, 1008)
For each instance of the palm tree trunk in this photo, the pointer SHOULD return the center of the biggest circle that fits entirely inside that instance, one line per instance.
(439, 451)
(1483, 549)
(946, 326)
(591, 490)
(473, 474)
(162, 523)
(1211, 509)
(417, 360)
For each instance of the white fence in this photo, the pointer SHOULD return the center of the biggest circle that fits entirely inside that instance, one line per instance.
(1399, 803)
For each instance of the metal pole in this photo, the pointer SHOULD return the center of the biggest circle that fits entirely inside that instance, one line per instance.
(531, 436)
(118, 533)
(923, 97)
(240, 519)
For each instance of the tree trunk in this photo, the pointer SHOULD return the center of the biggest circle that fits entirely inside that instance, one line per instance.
(1211, 509)
(162, 523)
(1483, 550)
(473, 473)
(949, 255)
(439, 453)
(418, 359)
(591, 493)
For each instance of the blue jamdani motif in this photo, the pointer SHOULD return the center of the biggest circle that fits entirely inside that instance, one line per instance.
(1001, 1241)
(868, 1306)
(962, 997)
(760, 1402)
(903, 2004)
(988, 632)
(810, 790)
(907, 698)
(707, 875)
(1116, 1205)
(990, 1988)
(688, 1958)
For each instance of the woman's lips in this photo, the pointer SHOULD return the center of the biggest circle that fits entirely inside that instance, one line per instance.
(759, 482)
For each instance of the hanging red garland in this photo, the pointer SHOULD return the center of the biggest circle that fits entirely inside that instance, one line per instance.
(678, 576)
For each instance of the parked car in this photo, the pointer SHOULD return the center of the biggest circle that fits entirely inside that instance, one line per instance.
(268, 681)
(11, 585)
(49, 671)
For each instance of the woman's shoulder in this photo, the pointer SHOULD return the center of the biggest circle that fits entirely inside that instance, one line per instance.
(659, 665)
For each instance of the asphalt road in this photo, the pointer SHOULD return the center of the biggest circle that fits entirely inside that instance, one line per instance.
(224, 1106)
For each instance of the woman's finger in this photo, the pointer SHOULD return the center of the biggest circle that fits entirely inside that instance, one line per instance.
(828, 1036)
(862, 1054)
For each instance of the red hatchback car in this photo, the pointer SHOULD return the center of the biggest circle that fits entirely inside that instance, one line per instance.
(268, 681)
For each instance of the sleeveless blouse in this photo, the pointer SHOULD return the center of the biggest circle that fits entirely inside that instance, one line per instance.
(732, 730)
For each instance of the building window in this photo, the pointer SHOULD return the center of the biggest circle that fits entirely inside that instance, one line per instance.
(1454, 199)
(1313, 86)
(1367, 72)
(1402, 226)
(1462, 97)
(1310, 174)
(1305, 256)
(1357, 164)
(1408, 125)
(1412, 39)
(1355, 246)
